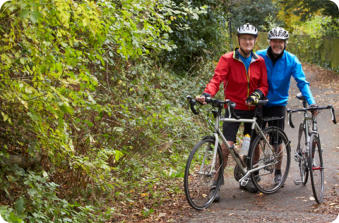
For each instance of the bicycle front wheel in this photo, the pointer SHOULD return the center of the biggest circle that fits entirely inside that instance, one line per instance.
(301, 155)
(270, 155)
(201, 173)
(316, 168)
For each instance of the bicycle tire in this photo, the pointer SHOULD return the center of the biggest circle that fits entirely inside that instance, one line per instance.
(270, 156)
(316, 168)
(303, 159)
(198, 177)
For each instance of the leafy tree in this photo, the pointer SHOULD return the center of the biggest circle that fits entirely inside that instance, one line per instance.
(201, 36)
(307, 8)
(259, 13)
(295, 13)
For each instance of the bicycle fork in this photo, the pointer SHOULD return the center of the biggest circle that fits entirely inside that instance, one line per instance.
(216, 142)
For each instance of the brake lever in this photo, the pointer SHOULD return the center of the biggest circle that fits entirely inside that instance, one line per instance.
(289, 113)
(333, 115)
(192, 103)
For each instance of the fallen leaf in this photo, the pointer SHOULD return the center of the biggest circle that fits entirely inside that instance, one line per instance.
(144, 194)
(162, 215)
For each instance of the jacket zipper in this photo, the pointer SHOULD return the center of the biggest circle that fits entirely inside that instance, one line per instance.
(248, 80)
(247, 77)
(248, 83)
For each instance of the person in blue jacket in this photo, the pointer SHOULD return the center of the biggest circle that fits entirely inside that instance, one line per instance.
(281, 65)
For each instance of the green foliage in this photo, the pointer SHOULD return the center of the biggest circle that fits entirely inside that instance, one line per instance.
(135, 29)
(78, 98)
(9, 215)
(44, 205)
(308, 12)
(306, 9)
(41, 204)
(259, 13)
(321, 51)
(203, 35)
(315, 27)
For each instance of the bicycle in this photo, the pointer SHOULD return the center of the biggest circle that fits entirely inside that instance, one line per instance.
(309, 140)
(206, 159)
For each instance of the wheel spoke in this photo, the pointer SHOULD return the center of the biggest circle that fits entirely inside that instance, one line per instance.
(271, 155)
(200, 175)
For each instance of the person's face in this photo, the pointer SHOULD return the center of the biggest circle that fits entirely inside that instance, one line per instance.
(277, 45)
(246, 42)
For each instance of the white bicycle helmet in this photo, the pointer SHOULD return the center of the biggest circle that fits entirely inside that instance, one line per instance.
(247, 29)
(278, 33)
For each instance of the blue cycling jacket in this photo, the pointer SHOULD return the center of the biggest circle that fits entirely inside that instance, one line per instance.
(279, 76)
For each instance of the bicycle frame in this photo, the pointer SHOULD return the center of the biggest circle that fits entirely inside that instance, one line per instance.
(218, 134)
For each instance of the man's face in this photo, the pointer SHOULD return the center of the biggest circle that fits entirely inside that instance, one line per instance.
(277, 45)
(246, 42)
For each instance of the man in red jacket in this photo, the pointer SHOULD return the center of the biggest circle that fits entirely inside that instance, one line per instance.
(245, 80)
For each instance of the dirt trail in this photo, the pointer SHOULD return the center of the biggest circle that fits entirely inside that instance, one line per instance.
(291, 203)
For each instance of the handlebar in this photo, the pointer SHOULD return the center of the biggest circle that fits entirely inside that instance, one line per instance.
(192, 103)
(214, 102)
(289, 112)
(219, 104)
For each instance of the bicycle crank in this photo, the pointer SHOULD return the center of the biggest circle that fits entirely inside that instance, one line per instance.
(244, 181)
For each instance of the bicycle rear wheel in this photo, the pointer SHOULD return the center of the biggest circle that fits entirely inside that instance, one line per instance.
(271, 155)
(301, 155)
(316, 168)
(200, 175)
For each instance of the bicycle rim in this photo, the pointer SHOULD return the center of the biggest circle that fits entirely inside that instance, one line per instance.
(270, 154)
(199, 175)
(316, 168)
(303, 161)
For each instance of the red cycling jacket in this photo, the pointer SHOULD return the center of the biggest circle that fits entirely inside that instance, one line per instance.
(238, 84)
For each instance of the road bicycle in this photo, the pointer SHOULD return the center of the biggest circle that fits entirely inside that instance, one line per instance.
(269, 150)
(308, 153)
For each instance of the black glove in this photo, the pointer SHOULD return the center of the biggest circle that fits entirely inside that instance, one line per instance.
(254, 97)
(206, 95)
